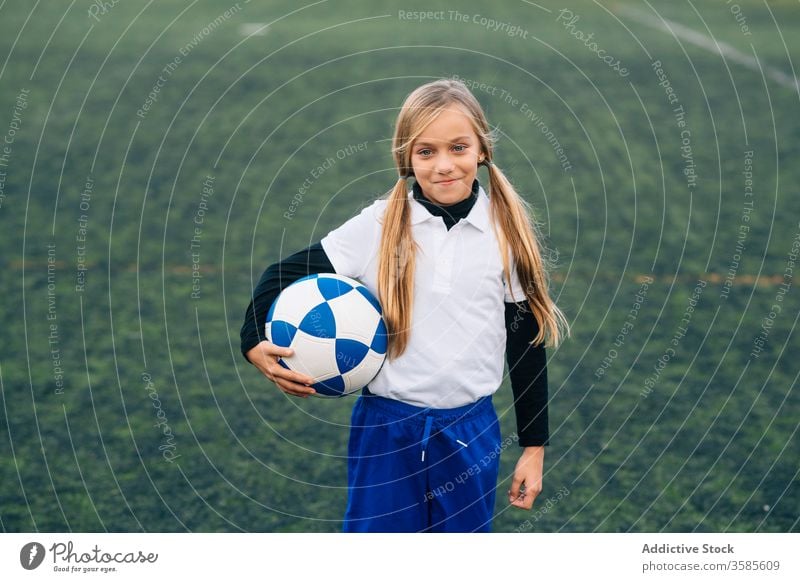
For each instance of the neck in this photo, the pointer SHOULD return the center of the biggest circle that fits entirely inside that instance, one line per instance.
(468, 201)
(450, 213)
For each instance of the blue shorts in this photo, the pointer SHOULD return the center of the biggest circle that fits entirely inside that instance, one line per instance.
(414, 469)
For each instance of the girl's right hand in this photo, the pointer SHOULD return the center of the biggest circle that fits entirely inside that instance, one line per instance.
(265, 357)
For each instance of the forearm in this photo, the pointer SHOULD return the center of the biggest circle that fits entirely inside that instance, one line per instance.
(527, 366)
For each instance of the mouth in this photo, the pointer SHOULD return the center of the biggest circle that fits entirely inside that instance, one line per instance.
(447, 182)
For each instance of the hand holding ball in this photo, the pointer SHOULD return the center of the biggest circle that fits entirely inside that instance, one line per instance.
(335, 327)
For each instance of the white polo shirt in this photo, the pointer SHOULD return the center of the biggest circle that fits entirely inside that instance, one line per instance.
(456, 348)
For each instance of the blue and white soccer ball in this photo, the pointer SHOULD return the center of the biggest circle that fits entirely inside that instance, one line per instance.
(335, 326)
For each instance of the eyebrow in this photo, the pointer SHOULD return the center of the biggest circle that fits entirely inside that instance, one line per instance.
(454, 140)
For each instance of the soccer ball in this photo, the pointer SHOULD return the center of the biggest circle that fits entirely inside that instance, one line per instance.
(335, 326)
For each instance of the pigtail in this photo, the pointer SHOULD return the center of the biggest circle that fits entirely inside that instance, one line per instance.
(396, 261)
(518, 237)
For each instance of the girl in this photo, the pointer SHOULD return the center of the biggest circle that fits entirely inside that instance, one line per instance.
(461, 277)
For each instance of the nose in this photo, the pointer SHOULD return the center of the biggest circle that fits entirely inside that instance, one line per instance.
(444, 164)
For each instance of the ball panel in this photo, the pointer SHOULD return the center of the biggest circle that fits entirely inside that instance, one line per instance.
(380, 339)
(363, 374)
(319, 322)
(281, 333)
(332, 387)
(349, 354)
(332, 287)
(293, 303)
(355, 318)
(271, 312)
(313, 356)
(370, 297)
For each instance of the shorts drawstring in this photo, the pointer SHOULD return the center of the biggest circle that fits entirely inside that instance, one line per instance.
(427, 433)
(449, 433)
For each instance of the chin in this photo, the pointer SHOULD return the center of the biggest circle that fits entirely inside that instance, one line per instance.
(449, 195)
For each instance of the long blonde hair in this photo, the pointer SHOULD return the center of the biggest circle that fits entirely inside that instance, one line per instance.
(511, 222)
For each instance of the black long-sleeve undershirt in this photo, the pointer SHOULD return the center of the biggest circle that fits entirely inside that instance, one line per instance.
(527, 364)
(527, 369)
(311, 260)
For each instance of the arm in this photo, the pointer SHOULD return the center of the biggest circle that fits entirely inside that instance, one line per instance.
(275, 279)
(344, 251)
(527, 366)
(255, 348)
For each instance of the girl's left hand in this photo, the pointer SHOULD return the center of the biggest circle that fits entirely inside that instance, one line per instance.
(527, 482)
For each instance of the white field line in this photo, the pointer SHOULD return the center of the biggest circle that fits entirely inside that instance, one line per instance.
(253, 29)
(708, 43)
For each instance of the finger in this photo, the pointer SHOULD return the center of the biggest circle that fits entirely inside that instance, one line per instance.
(292, 392)
(295, 389)
(269, 372)
(292, 376)
(524, 501)
(279, 370)
(530, 495)
(527, 500)
(514, 492)
(302, 378)
(515, 498)
(519, 503)
(519, 492)
(271, 350)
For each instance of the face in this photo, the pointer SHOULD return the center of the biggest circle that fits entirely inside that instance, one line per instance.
(445, 157)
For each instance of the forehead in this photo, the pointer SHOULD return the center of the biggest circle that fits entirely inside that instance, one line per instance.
(452, 124)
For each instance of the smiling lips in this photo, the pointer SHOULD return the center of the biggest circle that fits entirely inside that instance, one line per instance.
(446, 182)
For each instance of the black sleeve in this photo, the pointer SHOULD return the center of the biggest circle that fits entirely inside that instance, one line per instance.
(275, 279)
(527, 367)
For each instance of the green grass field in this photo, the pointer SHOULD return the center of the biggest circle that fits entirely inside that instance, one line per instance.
(127, 405)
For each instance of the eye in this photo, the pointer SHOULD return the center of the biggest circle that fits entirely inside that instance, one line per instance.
(460, 148)
(425, 152)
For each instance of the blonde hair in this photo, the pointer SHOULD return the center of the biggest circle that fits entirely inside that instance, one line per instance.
(511, 222)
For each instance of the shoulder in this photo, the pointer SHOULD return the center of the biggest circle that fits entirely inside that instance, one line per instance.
(373, 210)
(349, 246)
(372, 213)
(364, 223)
(377, 208)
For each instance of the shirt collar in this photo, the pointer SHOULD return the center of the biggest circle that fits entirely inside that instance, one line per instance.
(477, 217)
